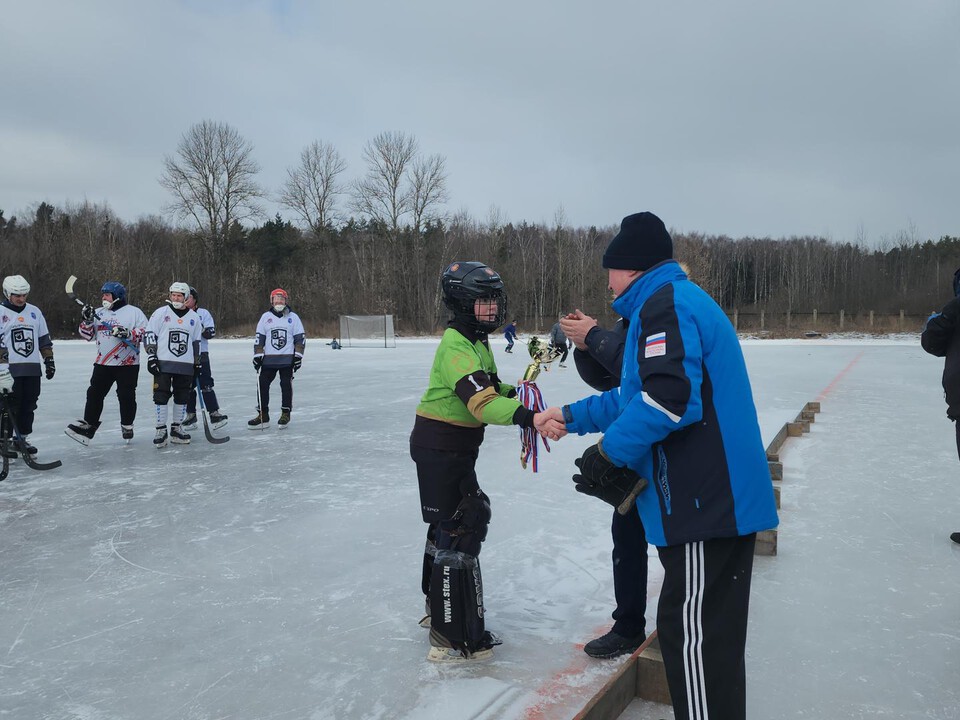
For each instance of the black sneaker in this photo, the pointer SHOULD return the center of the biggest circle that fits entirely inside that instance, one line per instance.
(81, 431)
(611, 645)
(955, 537)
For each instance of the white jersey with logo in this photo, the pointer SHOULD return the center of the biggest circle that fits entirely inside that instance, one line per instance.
(206, 323)
(113, 351)
(279, 338)
(23, 334)
(175, 340)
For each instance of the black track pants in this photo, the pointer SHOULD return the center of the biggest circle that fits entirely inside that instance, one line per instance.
(102, 379)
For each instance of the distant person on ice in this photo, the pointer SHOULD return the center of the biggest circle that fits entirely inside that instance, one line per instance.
(463, 395)
(510, 333)
(210, 401)
(279, 348)
(941, 337)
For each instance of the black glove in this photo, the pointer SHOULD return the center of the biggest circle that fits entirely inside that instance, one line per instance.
(51, 367)
(120, 332)
(197, 367)
(153, 365)
(208, 333)
(87, 314)
(297, 362)
(601, 478)
(257, 362)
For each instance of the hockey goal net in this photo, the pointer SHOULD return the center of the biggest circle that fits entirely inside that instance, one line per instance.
(367, 331)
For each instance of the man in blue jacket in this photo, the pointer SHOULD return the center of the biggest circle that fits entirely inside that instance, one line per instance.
(684, 418)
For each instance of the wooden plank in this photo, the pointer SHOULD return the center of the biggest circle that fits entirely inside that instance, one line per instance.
(812, 407)
(773, 448)
(794, 429)
(776, 470)
(776, 495)
(766, 543)
(651, 675)
(618, 692)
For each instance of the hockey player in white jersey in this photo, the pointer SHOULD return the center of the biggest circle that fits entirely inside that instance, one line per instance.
(217, 418)
(173, 345)
(278, 350)
(25, 345)
(118, 328)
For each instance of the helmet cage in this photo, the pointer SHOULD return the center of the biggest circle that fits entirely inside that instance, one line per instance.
(463, 283)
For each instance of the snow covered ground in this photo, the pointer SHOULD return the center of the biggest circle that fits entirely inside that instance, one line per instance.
(277, 576)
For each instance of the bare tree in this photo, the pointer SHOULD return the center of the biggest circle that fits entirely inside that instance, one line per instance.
(212, 180)
(382, 194)
(428, 189)
(312, 187)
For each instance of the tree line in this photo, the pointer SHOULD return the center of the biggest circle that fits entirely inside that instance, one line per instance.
(378, 244)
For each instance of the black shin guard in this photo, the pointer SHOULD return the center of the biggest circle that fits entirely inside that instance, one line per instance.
(456, 603)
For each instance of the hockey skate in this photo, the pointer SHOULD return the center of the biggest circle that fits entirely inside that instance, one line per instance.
(262, 420)
(217, 420)
(23, 445)
(284, 420)
(425, 620)
(126, 431)
(160, 440)
(81, 431)
(177, 436)
(442, 652)
(189, 421)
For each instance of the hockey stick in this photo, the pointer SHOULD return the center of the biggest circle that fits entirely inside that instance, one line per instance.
(206, 423)
(71, 281)
(259, 401)
(22, 446)
(4, 443)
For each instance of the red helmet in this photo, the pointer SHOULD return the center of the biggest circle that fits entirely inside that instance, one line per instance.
(281, 292)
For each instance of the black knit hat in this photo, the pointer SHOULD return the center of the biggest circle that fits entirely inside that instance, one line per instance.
(643, 241)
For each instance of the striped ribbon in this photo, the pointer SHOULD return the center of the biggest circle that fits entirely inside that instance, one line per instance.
(529, 394)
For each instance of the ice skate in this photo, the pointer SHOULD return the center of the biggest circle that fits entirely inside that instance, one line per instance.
(425, 620)
(160, 440)
(126, 432)
(284, 420)
(260, 421)
(23, 445)
(441, 651)
(955, 537)
(81, 431)
(189, 422)
(217, 419)
(177, 436)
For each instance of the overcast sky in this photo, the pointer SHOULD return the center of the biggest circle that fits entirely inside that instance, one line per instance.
(746, 117)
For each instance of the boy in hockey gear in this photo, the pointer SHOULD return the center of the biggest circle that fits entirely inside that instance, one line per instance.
(683, 417)
(558, 343)
(939, 338)
(217, 418)
(173, 345)
(278, 350)
(510, 334)
(25, 345)
(118, 328)
(464, 394)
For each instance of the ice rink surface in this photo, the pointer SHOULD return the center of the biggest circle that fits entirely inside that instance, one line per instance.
(277, 576)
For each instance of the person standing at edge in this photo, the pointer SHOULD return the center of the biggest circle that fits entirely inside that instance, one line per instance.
(683, 418)
(210, 401)
(598, 355)
(281, 341)
(941, 338)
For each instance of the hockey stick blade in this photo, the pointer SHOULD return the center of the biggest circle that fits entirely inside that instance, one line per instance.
(5, 470)
(624, 507)
(209, 435)
(24, 455)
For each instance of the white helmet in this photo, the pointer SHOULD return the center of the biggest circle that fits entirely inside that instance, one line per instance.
(15, 285)
(183, 289)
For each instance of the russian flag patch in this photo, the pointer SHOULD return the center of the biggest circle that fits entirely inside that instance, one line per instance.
(655, 345)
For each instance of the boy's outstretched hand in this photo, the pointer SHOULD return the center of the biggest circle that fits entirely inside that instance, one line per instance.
(549, 423)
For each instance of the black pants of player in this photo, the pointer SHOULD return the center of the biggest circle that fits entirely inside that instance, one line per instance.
(629, 574)
(206, 387)
(26, 392)
(167, 384)
(562, 349)
(444, 478)
(702, 625)
(957, 424)
(102, 379)
(267, 374)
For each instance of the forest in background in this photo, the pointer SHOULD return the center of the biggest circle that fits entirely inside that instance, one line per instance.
(378, 244)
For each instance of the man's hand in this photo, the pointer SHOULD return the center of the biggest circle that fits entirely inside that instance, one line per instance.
(6, 381)
(153, 365)
(618, 486)
(257, 362)
(120, 332)
(549, 423)
(575, 326)
(51, 367)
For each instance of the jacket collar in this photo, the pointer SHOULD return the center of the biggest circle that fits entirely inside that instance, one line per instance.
(640, 290)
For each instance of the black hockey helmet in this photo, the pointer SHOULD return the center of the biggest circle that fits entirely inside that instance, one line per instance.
(463, 283)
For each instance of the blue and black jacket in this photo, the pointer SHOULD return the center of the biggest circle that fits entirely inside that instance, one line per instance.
(683, 416)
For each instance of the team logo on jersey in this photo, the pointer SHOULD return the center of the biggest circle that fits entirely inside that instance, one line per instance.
(178, 342)
(278, 338)
(655, 345)
(22, 341)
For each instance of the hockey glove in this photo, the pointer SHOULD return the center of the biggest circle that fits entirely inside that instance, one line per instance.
(257, 362)
(208, 333)
(197, 367)
(6, 382)
(50, 366)
(617, 486)
(297, 362)
(88, 314)
(153, 366)
(120, 332)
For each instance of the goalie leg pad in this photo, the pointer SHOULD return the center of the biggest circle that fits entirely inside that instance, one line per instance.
(456, 604)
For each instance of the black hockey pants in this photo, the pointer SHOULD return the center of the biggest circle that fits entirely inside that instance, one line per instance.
(206, 387)
(26, 392)
(102, 379)
(267, 374)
